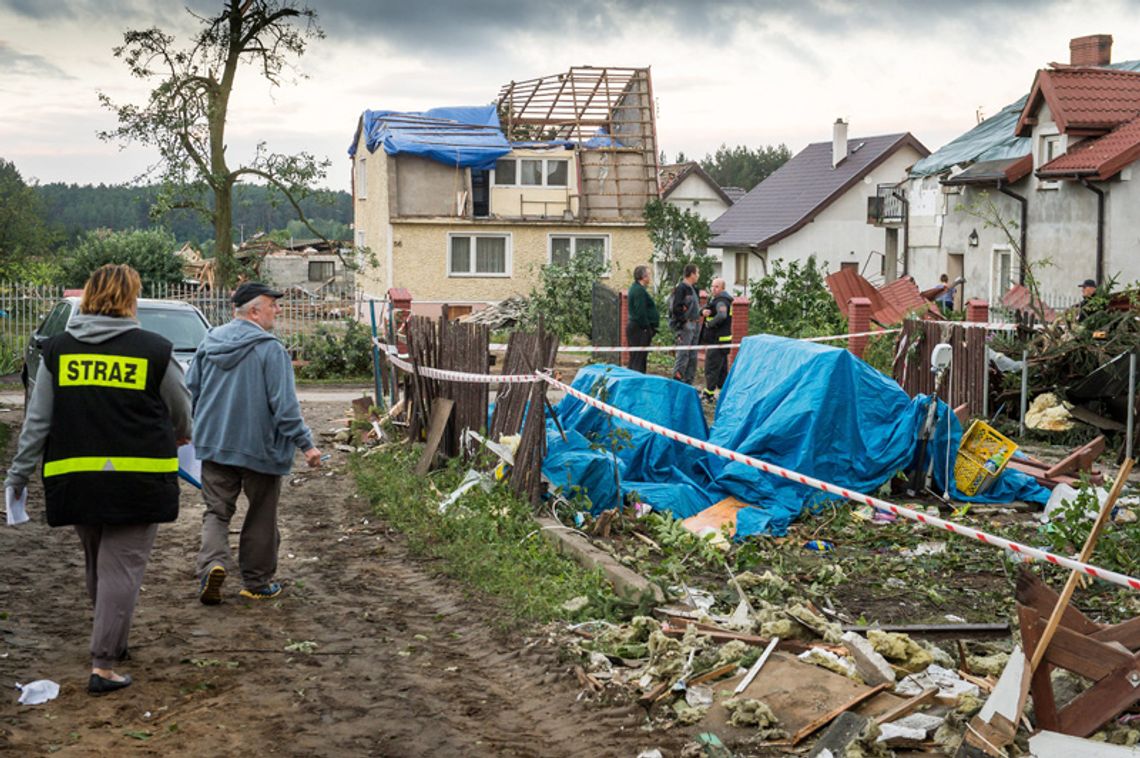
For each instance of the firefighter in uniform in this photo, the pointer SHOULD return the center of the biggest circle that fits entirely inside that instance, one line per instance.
(107, 411)
(718, 331)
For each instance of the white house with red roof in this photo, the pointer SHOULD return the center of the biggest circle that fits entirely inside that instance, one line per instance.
(1056, 168)
(690, 188)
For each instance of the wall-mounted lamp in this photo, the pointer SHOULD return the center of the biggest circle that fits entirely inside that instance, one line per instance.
(973, 238)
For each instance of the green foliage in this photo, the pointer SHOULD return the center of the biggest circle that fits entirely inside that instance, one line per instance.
(335, 352)
(185, 116)
(488, 540)
(679, 237)
(24, 233)
(744, 167)
(563, 295)
(148, 251)
(1070, 524)
(793, 301)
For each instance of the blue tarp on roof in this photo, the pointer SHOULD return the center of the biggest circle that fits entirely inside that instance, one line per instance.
(464, 136)
(813, 409)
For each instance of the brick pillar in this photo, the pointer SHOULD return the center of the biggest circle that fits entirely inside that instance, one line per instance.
(703, 296)
(623, 358)
(977, 310)
(401, 303)
(740, 306)
(858, 321)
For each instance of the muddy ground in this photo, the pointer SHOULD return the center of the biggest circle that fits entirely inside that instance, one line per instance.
(400, 662)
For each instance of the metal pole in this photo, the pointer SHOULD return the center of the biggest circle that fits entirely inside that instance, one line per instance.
(1024, 391)
(985, 381)
(375, 353)
(393, 377)
(1131, 403)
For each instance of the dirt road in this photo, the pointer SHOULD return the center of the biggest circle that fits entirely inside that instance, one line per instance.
(366, 653)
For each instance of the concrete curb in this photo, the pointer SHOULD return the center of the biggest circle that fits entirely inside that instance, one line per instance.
(570, 543)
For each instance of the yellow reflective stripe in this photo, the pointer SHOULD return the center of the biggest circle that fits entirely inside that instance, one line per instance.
(725, 338)
(104, 463)
(93, 369)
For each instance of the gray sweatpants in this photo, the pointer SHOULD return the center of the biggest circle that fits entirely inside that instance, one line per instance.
(257, 546)
(685, 364)
(116, 559)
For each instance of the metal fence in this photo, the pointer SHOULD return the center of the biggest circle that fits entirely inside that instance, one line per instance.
(23, 307)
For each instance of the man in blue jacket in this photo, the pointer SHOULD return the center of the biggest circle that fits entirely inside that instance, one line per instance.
(248, 426)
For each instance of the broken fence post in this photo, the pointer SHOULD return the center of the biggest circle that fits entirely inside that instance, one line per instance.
(1131, 405)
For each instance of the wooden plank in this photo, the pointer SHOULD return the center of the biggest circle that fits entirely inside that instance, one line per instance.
(826, 718)
(440, 414)
(1041, 684)
(908, 706)
(1090, 710)
(1080, 459)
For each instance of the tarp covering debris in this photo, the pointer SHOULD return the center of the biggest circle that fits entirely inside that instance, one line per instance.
(464, 136)
(817, 410)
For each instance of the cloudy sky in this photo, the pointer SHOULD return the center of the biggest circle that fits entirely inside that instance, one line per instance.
(750, 72)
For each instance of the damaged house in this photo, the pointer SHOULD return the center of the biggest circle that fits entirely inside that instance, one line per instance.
(465, 205)
(1056, 166)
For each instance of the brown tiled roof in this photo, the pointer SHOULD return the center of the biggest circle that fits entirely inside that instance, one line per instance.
(1099, 157)
(800, 189)
(1083, 100)
(670, 176)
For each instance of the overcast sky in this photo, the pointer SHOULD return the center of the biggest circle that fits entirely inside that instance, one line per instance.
(750, 72)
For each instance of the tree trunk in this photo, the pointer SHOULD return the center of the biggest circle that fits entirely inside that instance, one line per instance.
(225, 265)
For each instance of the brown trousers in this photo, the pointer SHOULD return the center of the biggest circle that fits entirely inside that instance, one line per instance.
(257, 546)
(116, 559)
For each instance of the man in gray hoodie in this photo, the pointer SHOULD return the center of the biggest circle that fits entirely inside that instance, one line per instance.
(247, 427)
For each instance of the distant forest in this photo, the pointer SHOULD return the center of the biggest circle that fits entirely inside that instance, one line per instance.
(75, 209)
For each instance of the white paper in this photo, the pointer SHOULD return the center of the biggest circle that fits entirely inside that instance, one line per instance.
(189, 465)
(15, 505)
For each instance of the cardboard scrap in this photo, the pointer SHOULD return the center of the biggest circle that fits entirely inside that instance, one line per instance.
(715, 517)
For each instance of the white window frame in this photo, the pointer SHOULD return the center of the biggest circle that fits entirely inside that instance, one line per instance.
(474, 274)
(361, 179)
(543, 173)
(574, 246)
(996, 289)
(1044, 140)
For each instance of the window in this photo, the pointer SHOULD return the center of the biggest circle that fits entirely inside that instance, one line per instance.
(321, 271)
(532, 172)
(563, 247)
(505, 172)
(479, 255)
(1003, 272)
(741, 269)
(361, 182)
(1049, 147)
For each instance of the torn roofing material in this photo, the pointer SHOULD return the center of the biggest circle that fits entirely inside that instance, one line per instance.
(992, 139)
(889, 305)
(464, 137)
(1004, 170)
(803, 187)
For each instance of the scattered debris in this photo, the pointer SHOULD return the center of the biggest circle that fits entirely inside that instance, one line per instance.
(872, 667)
(502, 315)
(38, 692)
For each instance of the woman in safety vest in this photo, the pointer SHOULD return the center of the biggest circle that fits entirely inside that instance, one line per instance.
(108, 409)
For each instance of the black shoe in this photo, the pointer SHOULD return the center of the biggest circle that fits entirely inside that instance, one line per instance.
(98, 685)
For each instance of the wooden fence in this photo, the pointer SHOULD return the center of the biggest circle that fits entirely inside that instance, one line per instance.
(965, 382)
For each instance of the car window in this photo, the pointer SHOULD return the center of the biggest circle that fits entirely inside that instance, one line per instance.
(56, 321)
(183, 328)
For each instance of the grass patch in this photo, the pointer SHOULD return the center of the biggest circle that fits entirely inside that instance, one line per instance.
(487, 540)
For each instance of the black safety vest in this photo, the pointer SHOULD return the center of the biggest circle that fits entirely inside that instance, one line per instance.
(110, 456)
(722, 332)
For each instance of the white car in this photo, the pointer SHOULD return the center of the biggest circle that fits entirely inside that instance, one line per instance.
(181, 323)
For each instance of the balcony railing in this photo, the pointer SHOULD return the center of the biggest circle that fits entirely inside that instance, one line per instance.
(885, 207)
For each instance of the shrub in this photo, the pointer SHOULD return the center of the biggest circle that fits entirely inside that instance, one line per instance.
(564, 294)
(333, 352)
(148, 251)
(793, 301)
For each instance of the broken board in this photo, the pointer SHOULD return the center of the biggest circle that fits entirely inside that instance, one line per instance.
(440, 413)
(716, 516)
(802, 696)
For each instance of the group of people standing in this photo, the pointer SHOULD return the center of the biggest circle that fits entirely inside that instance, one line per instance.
(691, 322)
(109, 408)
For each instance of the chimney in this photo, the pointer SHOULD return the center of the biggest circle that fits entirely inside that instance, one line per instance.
(1093, 50)
(838, 142)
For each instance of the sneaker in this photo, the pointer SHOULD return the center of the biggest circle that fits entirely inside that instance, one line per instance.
(210, 591)
(271, 590)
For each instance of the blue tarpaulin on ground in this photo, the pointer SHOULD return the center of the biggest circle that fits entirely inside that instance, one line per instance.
(816, 410)
(464, 136)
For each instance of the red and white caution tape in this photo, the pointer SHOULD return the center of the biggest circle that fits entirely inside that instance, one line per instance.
(848, 494)
(447, 375)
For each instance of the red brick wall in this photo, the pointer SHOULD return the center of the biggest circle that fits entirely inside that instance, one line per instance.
(740, 307)
(858, 321)
(977, 310)
(623, 358)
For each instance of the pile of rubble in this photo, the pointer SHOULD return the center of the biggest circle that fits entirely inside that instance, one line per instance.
(505, 314)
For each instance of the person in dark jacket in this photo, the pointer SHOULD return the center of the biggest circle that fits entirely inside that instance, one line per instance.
(718, 331)
(248, 426)
(643, 318)
(1088, 292)
(107, 412)
(686, 322)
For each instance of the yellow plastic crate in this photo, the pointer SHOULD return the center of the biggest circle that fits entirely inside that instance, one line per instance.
(980, 444)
